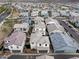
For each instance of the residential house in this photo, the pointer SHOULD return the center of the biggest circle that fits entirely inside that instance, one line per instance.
(63, 43)
(17, 6)
(53, 25)
(50, 21)
(34, 38)
(40, 43)
(15, 42)
(24, 14)
(40, 27)
(45, 57)
(44, 13)
(24, 27)
(74, 18)
(54, 13)
(43, 45)
(38, 20)
(77, 23)
(35, 12)
(64, 11)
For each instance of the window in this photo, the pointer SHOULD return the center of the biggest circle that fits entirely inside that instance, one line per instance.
(16, 51)
(42, 51)
(45, 44)
(32, 42)
(63, 32)
(42, 33)
(17, 47)
(7, 41)
(21, 28)
(70, 26)
(24, 29)
(14, 28)
(59, 51)
(71, 35)
(39, 44)
(11, 47)
(37, 29)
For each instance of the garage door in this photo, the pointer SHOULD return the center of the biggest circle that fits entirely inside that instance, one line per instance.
(43, 51)
(16, 51)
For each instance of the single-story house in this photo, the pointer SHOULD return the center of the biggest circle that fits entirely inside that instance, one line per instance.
(52, 26)
(24, 27)
(15, 42)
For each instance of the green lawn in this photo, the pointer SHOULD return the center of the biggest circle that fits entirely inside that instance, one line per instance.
(2, 8)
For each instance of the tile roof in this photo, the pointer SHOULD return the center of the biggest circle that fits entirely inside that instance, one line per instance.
(16, 38)
(23, 25)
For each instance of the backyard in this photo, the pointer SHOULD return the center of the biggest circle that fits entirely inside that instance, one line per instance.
(7, 26)
(3, 8)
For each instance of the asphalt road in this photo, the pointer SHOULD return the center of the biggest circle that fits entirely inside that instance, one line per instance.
(65, 56)
(22, 57)
(71, 31)
(34, 56)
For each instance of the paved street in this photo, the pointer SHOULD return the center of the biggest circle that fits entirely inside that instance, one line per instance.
(34, 56)
(22, 57)
(64, 56)
(72, 32)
